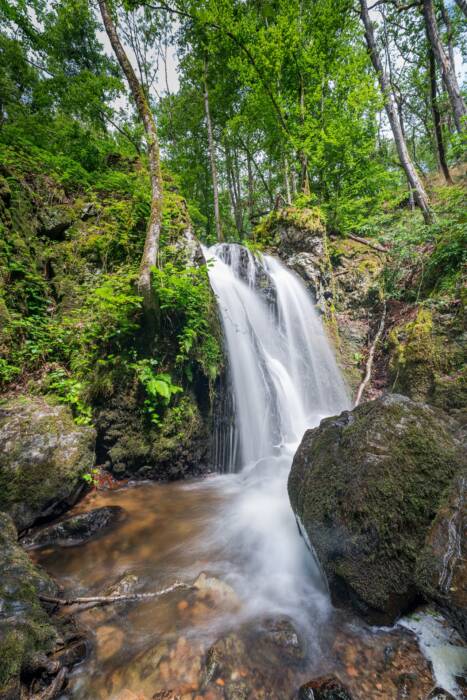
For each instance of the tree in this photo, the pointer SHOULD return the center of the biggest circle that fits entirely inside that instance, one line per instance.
(393, 116)
(151, 246)
(448, 72)
(212, 155)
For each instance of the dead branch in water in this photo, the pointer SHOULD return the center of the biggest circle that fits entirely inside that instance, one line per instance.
(370, 244)
(371, 355)
(90, 601)
(54, 688)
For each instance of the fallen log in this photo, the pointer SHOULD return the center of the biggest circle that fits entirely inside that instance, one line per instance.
(364, 241)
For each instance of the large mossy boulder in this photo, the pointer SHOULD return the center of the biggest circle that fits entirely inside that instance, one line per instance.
(25, 628)
(442, 564)
(366, 487)
(43, 457)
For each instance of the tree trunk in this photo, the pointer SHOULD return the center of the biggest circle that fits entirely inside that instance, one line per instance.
(151, 245)
(463, 5)
(287, 181)
(447, 67)
(391, 111)
(440, 153)
(212, 157)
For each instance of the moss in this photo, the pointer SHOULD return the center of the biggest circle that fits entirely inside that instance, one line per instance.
(366, 486)
(27, 630)
(426, 360)
(43, 458)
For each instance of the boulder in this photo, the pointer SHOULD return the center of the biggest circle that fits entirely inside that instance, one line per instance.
(442, 564)
(76, 529)
(55, 221)
(43, 457)
(25, 628)
(365, 487)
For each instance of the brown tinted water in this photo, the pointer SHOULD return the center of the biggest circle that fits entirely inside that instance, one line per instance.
(139, 650)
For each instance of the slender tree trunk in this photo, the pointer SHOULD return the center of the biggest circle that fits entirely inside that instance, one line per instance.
(304, 180)
(391, 111)
(151, 245)
(251, 188)
(447, 67)
(463, 5)
(440, 153)
(212, 157)
(287, 181)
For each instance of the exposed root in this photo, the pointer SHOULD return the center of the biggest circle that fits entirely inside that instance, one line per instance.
(54, 688)
(371, 355)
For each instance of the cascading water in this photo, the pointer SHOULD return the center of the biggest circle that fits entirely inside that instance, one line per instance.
(283, 373)
(284, 379)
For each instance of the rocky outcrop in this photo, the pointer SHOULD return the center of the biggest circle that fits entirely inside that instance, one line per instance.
(76, 529)
(25, 628)
(342, 274)
(128, 445)
(43, 457)
(442, 564)
(365, 487)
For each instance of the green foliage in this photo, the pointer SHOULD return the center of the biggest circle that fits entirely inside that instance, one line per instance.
(70, 392)
(186, 303)
(158, 387)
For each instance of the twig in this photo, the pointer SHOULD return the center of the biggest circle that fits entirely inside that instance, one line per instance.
(370, 244)
(369, 362)
(109, 599)
(54, 688)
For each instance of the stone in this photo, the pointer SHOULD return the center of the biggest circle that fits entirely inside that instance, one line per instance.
(218, 591)
(442, 564)
(365, 487)
(55, 221)
(324, 688)
(76, 529)
(26, 631)
(43, 457)
(278, 637)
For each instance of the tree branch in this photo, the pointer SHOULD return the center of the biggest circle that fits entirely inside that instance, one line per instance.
(369, 362)
(110, 599)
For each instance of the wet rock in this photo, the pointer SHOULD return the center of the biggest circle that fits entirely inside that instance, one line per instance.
(88, 211)
(125, 585)
(442, 564)
(76, 529)
(440, 694)
(365, 487)
(324, 688)
(218, 591)
(26, 630)
(43, 456)
(381, 664)
(130, 447)
(278, 637)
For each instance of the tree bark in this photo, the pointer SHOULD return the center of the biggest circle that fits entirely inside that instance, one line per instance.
(448, 72)
(441, 155)
(391, 111)
(212, 157)
(151, 245)
(463, 5)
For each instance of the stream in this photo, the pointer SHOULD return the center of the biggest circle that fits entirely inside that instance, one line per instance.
(236, 526)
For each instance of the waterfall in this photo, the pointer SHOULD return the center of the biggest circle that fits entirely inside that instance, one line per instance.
(282, 379)
(283, 374)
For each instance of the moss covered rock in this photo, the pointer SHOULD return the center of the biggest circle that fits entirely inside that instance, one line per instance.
(25, 627)
(366, 486)
(442, 564)
(130, 446)
(43, 457)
